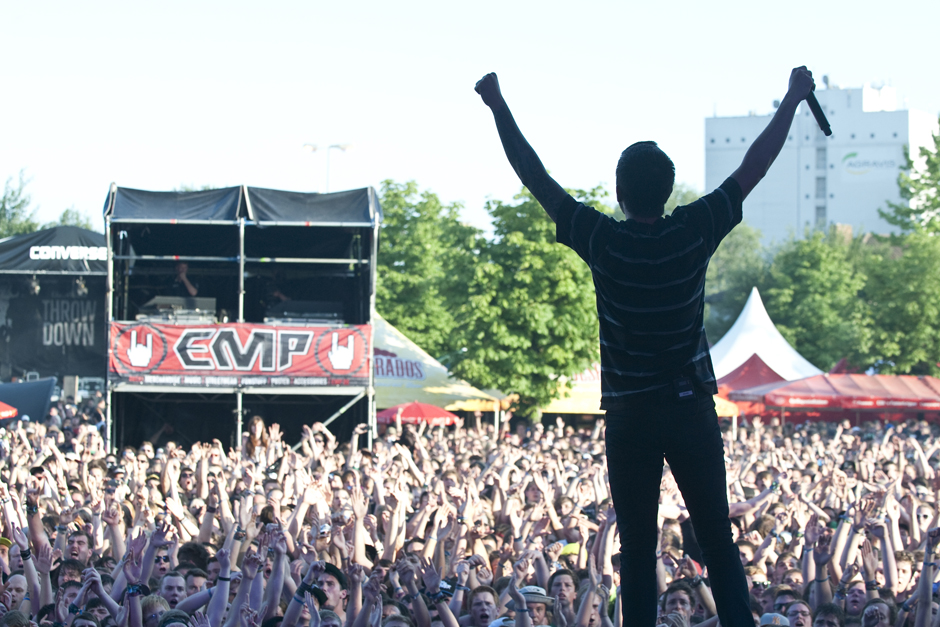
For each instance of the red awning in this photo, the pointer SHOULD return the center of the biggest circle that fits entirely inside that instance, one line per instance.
(415, 413)
(848, 391)
(751, 373)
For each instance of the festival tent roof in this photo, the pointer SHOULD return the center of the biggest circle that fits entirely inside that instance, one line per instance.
(405, 373)
(584, 396)
(858, 392)
(754, 333)
(56, 250)
(751, 373)
(352, 208)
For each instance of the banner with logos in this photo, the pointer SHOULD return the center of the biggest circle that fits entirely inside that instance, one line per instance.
(52, 326)
(237, 355)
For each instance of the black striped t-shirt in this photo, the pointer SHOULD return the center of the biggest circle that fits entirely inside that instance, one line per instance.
(650, 286)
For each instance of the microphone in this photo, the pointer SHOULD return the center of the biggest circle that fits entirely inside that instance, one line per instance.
(818, 114)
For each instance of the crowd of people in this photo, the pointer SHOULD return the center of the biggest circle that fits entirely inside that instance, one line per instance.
(450, 527)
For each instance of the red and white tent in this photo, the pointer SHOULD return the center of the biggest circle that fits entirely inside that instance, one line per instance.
(855, 392)
(754, 335)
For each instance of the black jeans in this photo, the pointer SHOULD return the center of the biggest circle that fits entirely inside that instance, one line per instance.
(687, 434)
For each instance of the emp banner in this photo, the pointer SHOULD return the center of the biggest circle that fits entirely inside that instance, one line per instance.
(238, 355)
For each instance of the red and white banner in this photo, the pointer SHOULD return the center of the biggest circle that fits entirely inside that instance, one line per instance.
(238, 355)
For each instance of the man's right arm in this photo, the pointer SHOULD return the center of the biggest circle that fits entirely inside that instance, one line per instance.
(760, 156)
(522, 157)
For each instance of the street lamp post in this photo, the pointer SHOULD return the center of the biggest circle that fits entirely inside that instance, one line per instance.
(313, 148)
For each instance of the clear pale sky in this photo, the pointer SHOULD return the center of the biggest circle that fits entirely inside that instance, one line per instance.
(157, 95)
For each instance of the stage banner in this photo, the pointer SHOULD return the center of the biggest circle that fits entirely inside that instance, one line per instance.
(238, 355)
(50, 327)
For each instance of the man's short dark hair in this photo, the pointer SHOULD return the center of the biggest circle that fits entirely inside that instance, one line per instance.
(71, 566)
(481, 590)
(194, 552)
(558, 573)
(197, 572)
(830, 609)
(88, 616)
(172, 573)
(892, 608)
(45, 610)
(174, 616)
(784, 589)
(677, 586)
(645, 176)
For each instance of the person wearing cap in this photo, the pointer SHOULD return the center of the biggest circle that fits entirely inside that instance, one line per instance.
(774, 620)
(537, 602)
(336, 588)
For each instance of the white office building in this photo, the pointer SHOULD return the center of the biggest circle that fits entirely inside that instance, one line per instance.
(817, 180)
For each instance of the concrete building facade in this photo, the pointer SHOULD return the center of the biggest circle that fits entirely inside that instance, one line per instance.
(817, 180)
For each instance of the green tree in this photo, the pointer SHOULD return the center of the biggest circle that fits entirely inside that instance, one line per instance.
(921, 189)
(72, 217)
(682, 194)
(739, 264)
(812, 293)
(426, 259)
(530, 316)
(16, 216)
(189, 187)
(903, 294)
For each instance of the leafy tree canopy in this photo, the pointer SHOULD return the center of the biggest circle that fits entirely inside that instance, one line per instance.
(920, 187)
(16, 216)
(530, 316)
(426, 259)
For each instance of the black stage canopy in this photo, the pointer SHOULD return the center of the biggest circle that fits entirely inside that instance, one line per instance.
(58, 250)
(355, 208)
(131, 205)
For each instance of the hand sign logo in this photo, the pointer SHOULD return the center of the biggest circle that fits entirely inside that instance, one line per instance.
(342, 352)
(140, 354)
(138, 349)
(341, 357)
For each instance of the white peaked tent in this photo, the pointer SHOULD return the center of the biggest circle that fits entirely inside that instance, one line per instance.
(405, 373)
(754, 333)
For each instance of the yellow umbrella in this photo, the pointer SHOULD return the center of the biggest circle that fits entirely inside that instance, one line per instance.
(584, 396)
(725, 408)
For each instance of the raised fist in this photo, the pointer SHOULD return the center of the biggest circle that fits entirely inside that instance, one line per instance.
(801, 82)
(488, 88)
